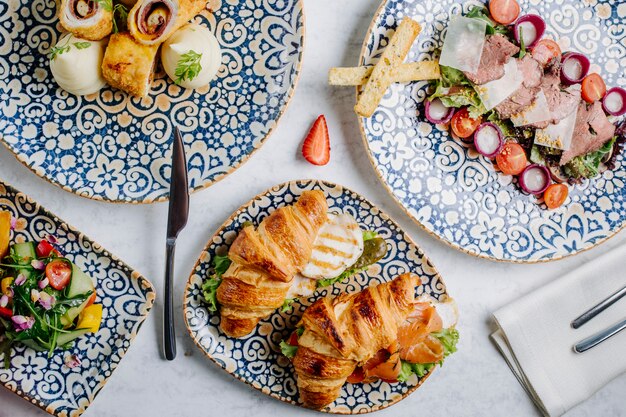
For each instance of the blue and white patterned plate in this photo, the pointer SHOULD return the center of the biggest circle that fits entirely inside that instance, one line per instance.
(112, 147)
(126, 296)
(456, 194)
(256, 359)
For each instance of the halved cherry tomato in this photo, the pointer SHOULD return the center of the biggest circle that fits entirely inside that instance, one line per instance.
(593, 88)
(293, 339)
(545, 51)
(357, 376)
(6, 312)
(555, 195)
(512, 159)
(59, 273)
(504, 11)
(45, 248)
(463, 125)
(92, 299)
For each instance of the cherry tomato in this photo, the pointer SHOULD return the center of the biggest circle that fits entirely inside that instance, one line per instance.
(593, 88)
(504, 12)
(555, 195)
(6, 312)
(357, 376)
(92, 299)
(512, 159)
(463, 125)
(45, 248)
(545, 51)
(293, 339)
(59, 273)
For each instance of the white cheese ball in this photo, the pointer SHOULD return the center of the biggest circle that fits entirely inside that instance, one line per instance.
(77, 68)
(191, 40)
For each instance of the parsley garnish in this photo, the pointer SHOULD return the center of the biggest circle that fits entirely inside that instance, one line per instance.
(188, 67)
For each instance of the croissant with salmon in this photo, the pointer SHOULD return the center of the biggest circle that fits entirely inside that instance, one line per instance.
(265, 260)
(381, 332)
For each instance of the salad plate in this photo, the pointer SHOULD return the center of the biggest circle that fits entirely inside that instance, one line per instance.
(256, 359)
(454, 192)
(66, 382)
(114, 147)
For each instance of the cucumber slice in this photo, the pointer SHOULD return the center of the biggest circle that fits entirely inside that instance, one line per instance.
(70, 315)
(64, 338)
(25, 250)
(80, 283)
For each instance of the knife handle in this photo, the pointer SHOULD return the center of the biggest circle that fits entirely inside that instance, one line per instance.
(169, 337)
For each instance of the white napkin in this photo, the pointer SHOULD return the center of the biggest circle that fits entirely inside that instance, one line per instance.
(536, 339)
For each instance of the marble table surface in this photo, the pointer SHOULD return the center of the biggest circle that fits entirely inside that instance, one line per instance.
(475, 381)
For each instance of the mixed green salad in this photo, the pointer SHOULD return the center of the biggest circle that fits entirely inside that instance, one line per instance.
(47, 302)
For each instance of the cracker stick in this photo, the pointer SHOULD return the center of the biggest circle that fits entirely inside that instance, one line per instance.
(384, 71)
(413, 71)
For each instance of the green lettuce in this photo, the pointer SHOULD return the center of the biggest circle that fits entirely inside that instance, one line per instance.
(481, 13)
(448, 338)
(210, 286)
(287, 349)
(588, 165)
(462, 95)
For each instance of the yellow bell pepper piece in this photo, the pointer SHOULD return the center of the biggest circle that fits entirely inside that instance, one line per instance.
(90, 318)
(5, 284)
(5, 233)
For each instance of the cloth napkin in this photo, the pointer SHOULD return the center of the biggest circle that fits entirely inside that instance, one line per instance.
(535, 337)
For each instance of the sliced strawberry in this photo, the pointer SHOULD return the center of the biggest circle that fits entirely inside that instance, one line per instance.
(316, 147)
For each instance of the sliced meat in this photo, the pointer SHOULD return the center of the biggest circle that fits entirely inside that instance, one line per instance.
(592, 130)
(525, 95)
(496, 52)
(561, 101)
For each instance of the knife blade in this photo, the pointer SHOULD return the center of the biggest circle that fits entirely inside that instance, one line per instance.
(177, 216)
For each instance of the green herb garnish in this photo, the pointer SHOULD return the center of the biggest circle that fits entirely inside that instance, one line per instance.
(481, 13)
(287, 349)
(522, 45)
(66, 46)
(188, 67)
(287, 305)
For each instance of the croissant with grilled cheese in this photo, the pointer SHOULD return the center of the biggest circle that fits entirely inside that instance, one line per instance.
(265, 260)
(342, 333)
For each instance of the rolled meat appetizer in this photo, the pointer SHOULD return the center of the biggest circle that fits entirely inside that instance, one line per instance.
(86, 19)
(151, 22)
(129, 65)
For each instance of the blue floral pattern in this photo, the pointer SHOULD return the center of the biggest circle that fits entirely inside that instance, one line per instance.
(126, 296)
(114, 147)
(455, 193)
(256, 359)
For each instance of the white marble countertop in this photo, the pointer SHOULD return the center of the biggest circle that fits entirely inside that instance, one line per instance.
(475, 381)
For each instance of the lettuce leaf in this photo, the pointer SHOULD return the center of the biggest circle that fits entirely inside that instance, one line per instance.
(287, 349)
(221, 263)
(482, 13)
(588, 165)
(448, 339)
(461, 95)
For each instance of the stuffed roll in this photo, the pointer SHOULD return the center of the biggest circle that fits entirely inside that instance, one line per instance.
(129, 65)
(151, 22)
(87, 19)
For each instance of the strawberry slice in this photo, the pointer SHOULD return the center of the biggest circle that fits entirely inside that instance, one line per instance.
(316, 147)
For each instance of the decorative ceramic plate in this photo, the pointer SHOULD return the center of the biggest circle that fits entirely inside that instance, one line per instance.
(455, 193)
(110, 146)
(256, 359)
(125, 295)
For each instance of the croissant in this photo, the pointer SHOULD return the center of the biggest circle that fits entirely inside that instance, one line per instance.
(344, 332)
(265, 260)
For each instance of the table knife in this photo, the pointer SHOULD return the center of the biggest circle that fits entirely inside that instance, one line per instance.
(176, 220)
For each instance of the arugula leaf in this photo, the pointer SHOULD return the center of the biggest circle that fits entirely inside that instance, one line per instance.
(287, 305)
(588, 165)
(288, 350)
(188, 66)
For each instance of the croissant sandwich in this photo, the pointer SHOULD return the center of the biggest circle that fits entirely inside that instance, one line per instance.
(128, 65)
(87, 19)
(265, 260)
(382, 332)
(151, 22)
